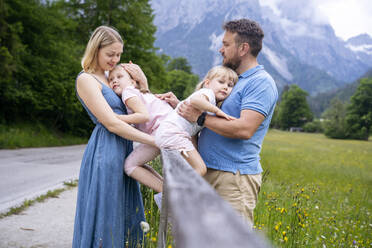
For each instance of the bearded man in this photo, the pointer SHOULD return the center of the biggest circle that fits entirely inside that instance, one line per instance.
(231, 149)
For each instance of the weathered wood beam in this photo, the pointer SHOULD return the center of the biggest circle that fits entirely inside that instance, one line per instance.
(199, 216)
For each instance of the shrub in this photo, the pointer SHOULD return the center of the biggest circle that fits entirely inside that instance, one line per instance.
(313, 127)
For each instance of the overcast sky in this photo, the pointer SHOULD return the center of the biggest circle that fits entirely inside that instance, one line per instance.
(347, 17)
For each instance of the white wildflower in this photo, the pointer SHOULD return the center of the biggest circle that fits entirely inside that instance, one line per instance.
(145, 226)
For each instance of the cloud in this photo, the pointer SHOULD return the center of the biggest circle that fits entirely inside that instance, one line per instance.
(216, 42)
(299, 10)
(347, 17)
(297, 18)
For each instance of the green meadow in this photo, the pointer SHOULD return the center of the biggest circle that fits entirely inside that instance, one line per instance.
(317, 192)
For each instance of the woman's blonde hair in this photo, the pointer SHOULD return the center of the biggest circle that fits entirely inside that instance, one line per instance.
(101, 37)
(218, 71)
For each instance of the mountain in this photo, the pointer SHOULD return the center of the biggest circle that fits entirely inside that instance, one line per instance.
(321, 101)
(362, 47)
(300, 47)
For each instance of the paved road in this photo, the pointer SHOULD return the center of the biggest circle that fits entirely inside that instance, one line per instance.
(48, 224)
(28, 173)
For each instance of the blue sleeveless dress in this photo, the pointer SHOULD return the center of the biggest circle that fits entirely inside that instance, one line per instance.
(109, 204)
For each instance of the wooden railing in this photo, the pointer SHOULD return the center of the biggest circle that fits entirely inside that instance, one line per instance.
(198, 215)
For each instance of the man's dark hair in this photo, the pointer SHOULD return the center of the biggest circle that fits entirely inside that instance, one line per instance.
(248, 31)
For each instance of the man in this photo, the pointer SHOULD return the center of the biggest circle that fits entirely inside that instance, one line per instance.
(231, 149)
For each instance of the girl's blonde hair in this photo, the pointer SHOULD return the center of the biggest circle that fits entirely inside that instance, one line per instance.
(101, 37)
(142, 88)
(218, 71)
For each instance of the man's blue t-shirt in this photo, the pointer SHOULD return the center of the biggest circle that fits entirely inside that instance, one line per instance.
(255, 90)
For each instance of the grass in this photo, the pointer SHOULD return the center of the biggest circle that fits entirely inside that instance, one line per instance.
(34, 135)
(50, 194)
(152, 213)
(316, 192)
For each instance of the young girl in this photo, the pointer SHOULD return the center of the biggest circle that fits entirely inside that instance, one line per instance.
(171, 131)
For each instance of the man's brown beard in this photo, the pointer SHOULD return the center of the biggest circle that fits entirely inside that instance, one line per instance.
(233, 63)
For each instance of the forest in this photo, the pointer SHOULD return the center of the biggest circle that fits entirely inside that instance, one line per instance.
(41, 46)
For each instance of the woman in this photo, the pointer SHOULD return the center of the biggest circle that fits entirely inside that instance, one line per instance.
(109, 205)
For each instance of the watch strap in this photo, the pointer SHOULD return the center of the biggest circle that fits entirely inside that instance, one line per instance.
(201, 119)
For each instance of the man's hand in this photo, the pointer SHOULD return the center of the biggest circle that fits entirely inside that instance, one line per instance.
(188, 112)
(170, 98)
(137, 74)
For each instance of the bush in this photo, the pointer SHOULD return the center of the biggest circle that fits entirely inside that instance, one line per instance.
(313, 127)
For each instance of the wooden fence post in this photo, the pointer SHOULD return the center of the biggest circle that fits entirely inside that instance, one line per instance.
(199, 216)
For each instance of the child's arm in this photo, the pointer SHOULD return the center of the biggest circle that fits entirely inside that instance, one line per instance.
(201, 102)
(140, 113)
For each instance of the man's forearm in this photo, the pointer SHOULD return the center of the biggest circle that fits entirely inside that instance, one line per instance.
(230, 129)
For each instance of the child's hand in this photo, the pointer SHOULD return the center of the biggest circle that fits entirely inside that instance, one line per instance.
(222, 114)
(170, 98)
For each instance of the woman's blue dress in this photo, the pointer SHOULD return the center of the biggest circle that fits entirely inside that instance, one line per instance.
(109, 204)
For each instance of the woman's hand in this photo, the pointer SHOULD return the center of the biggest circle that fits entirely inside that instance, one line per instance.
(137, 74)
(222, 114)
(170, 98)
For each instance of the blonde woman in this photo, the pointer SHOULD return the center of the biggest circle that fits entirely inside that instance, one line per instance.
(109, 205)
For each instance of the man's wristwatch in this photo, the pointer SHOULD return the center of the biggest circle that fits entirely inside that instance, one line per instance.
(201, 119)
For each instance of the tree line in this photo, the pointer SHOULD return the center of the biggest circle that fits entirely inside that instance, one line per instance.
(350, 120)
(42, 43)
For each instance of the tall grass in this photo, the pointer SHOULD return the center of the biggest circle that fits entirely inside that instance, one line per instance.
(34, 135)
(152, 213)
(316, 192)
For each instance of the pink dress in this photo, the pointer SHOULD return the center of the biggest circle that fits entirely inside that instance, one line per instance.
(175, 131)
(158, 109)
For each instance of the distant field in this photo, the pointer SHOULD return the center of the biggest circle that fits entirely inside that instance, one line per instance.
(317, 191)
